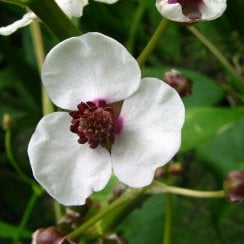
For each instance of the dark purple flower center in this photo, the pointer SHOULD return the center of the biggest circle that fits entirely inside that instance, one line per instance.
(190, 8)
(95, 123)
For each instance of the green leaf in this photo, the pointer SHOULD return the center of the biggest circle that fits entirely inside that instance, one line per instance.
(202, 124)
(145, 225)
(9, 80)
(224, 152)
(10, 231)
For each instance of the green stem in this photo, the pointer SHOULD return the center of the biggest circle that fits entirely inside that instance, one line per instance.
(12, 160)
(57, 211)
(50, 13)
(236, 78)
(18, 2)
(134, 25)
(26, 215)
(55, 19)
(47, 106)
(152, 42)
(127, 200)
(158, 187)
(129, 195)
(168, 219)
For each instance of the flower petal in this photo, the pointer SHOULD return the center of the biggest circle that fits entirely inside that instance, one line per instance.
(67, 170)
(209, 10)
(89, 67)
(212, 9)
(72, 8)
(24, 21)
(171, 11)
(153, 118)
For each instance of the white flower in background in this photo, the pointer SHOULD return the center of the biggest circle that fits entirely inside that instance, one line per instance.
(73, 154)
(72, 8)
(191, 10)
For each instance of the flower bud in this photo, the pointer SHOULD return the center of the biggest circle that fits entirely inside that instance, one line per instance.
(178, 81)
(69, 221)
(49, 235)
(176, 168)
(234, 186)
(160, 172)
(8, 121)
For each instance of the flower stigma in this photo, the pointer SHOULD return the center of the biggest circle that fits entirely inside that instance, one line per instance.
(96, 123)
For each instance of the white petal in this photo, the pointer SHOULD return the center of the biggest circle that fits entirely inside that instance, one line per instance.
(89, 67)
(171, 11)
(212, 9)
(107, 1)
(153, 118)
(209, 9)
(24, 21)
(72, 8)
(67, 170)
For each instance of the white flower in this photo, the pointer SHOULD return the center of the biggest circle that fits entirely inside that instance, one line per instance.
(72, 8)
(94, 72)
(191, 10)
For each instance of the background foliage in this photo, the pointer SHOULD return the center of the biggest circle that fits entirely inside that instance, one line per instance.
(213, 135)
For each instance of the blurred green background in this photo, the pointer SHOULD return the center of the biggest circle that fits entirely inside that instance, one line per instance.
(213, 135)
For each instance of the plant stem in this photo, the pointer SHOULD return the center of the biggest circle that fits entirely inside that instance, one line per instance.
(55, 19)
(57, 211)
(12, 160)
(158, 187)
(236, 78)
(18, 2)
(26, 215)
(168, 219)
(134, 25)
(47, 106)
(152, 42)
(194, 193)
(129, 195)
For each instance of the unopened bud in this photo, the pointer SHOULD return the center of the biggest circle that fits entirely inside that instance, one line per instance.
(182, 84)
(160, 172)
(8, 121)
(176, 168)
(234, 186)
(69, 221)
(49, 235)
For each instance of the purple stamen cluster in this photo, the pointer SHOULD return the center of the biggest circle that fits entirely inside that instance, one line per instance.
(95, 123)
